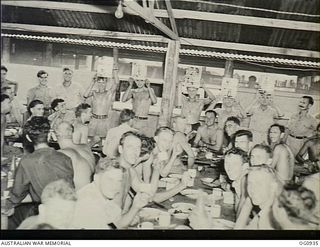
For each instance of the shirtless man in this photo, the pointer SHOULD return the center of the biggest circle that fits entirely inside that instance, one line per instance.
(142, 98)
(209, 134)
(81, 129)
(192, 106)
(283, 158)
(82, 169)
(101, 103)
(301, 125)
(64, 133)
(180, 144)
(312, 147)
(230, 108)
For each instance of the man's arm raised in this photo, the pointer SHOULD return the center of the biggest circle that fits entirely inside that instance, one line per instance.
(128, 94)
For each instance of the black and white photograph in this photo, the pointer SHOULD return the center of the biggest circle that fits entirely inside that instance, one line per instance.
(162, 118)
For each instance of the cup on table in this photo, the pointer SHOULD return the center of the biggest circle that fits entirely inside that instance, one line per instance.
(215, 211)
(145, 225)
(216, 192)
(164, 219)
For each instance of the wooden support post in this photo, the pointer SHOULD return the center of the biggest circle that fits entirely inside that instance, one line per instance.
(228, 69)
(48, 54)
(170, 83)
(5, 59)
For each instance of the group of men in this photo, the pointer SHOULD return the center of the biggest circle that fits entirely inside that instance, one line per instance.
(110, 192)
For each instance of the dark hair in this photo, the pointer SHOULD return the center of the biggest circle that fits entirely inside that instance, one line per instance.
(126, 115)
(125, 135)
(266, 148)
(55, 103)
(218, 105)
(233, 119)
(4, 97)
(4, 68)
(32, 104)
(43, 226)
(211, 111)
(252, 77)
(309, 98)
(107, 164)
(239, 133)
(66, 69)
(37, 128)
(281, 128)
(163, 128)
(81, 108)
(240, 152)
(41, 72)
(147, 145)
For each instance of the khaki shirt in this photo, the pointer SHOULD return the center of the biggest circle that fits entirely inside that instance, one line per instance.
(302, 126)
(43, 93)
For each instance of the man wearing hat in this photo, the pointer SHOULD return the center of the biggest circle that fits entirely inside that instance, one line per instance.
(142, 98)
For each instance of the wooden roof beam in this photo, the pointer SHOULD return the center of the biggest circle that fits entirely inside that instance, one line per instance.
(146, 14)
(171, 17)
(158, 38)
(178, 14)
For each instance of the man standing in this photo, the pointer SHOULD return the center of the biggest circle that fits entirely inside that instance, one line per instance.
(101, 103)
(5, 109)
(37, 169)
(230, 108)
(5, 82)
(110, 147)
(70, 92)
(192, 106)
(15, 117)
(142, 98)
(301, 125)
(209, 134)
(262, 112)
(42, 92)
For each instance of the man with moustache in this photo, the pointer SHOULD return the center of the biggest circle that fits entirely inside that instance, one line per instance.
(142, 98)
(301, 125)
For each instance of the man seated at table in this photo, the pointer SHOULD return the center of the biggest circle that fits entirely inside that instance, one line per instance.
(5, 109)
(231, 126)
(209, 135)
(64, 134)
(179, 145)
(260, 154)
(243, 139)
(60, 114)
(82, 169)
(97, 206)
(58, 201)
(312, 148)
(126, 119)
(36, 170)
(81, 125)
(236, 166)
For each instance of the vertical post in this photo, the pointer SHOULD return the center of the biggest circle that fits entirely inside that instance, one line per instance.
(5, 50)
(228, 69)
(170, 83)
(48, 54)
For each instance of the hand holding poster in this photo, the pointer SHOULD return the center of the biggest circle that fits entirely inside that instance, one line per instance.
(229, 87)
(105, 66)
(139, 70)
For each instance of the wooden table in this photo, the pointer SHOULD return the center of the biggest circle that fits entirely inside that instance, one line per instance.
(227, 210)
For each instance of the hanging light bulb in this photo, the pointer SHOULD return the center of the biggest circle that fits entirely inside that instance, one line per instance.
(119, 12)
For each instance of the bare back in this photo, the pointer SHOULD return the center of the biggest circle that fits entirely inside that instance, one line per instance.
(81, 168)
(283, 162)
